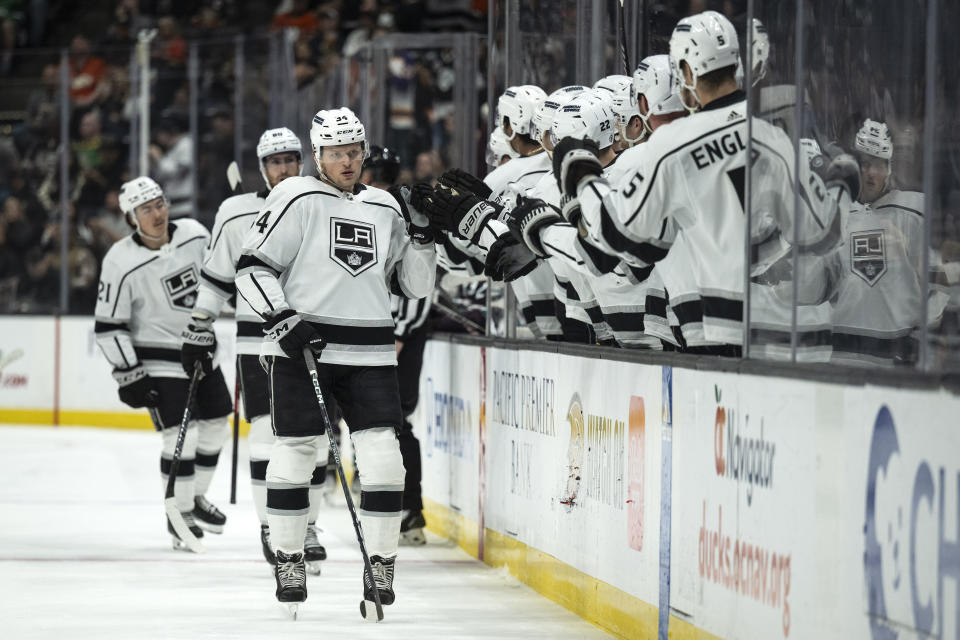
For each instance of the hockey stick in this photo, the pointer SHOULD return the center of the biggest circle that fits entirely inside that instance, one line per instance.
(169, 500)
(335, 449)
(233, 178)
(460, 319)
(236, 431)
(624, 55)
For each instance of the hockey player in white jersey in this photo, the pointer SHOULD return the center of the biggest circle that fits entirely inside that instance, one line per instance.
(148, 287)
(280, 157)
(320, 272)
(874, 280)
(706, 152)
(622, 293)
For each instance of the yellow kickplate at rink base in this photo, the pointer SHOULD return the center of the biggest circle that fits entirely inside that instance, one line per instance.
(683, 630)
(111, 419)
(593, 600)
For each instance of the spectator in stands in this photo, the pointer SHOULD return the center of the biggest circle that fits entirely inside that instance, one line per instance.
(172, 157)
(88, 81)
(299, 17)
(109, 224)
(172, 48)
(11, 20)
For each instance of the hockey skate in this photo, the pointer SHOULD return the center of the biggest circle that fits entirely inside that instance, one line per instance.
(291, 576)
(207, 515)
(313, 551)
(411, 529)
(383, 576)
(178, 544)
(268, 554)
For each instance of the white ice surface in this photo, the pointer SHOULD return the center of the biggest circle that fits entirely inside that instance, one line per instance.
(84, 553)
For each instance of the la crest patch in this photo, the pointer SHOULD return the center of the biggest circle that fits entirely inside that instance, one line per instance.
(181, 288)
(868, 255)
(353, 245)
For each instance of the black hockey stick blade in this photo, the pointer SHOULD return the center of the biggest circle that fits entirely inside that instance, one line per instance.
(233, 177)
(375, 615)
(169, 500)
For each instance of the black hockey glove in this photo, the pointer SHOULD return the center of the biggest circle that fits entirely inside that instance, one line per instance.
(573, 160)
(836, 167)
(466, 183)
(528, 218)
(199, 344)
(292, 334)
(136, 387)
(509, 259)
(461, 213)
(418, 224)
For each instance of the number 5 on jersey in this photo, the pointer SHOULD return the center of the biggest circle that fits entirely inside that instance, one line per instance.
(263, 221)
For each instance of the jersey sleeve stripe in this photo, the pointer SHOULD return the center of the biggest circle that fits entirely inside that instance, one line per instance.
(222, 286)
(101, 326)
(252, 263)
(263, 293)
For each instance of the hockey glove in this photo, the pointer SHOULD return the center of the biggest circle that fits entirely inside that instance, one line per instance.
(573, 160)
(418, 224)
(570, 209)
(838, 167)
(292, 334)
(528, 218)
(136, 387)
(460, 213)
(199, 344)
(509, 259)
(465, 183)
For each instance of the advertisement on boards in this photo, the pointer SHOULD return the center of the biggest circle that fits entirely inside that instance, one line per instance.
(27, 361)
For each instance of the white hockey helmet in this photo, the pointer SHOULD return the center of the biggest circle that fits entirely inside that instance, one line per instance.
(706, 42)
(334, 127)
(136, 192)
(273, 141)
(760, 51)
(498, 147)
(612, 83)
(873, 139)
(656, 80)
(588, 116)
(518, 104)
(543, 116)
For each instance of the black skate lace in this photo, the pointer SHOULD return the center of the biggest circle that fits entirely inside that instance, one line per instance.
(291, 573)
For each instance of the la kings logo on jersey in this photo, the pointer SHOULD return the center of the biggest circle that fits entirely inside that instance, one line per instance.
(353, 245)
(181, 287)
(867, 256)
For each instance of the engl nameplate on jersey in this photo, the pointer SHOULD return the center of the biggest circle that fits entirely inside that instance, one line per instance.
(181, 287)
(867, 257)
(353, 245)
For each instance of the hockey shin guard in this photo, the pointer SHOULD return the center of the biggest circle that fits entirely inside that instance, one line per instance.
(185, 484)
(211, 434)
(291, 466)
(261, 444)
(381, 479)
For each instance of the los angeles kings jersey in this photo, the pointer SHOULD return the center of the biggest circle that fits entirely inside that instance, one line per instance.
(334, 257)
(145, 299)
(235, 217)
(692, 171)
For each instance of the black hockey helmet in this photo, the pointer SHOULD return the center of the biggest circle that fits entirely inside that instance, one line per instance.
(383, 164)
